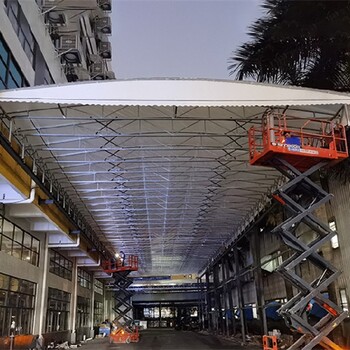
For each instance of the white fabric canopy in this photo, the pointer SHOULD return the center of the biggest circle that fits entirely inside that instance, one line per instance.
(159, 168)
(207, 93)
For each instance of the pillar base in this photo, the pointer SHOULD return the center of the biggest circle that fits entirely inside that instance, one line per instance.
(73, 337)
(92, 333)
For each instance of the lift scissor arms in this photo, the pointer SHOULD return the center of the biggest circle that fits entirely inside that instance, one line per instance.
(120, 270)
(300, 197)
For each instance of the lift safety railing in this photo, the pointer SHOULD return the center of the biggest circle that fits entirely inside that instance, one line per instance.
(301, 197)
(35, 167)
(322, 138)
(120, 270)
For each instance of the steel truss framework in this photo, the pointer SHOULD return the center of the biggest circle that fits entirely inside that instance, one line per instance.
(230, 286)
(169, 184)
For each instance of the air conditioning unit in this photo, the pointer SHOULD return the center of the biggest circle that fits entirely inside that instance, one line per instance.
(51, 3)
(74, 73)
(95, 58)
(105, 5)
(70, 49)
(71, 74)
(55, 18)
(103, 24)
(110, 75)
(97, 71)
(105, 50)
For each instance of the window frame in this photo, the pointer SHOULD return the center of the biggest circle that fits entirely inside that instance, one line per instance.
(19, 21)
(84, 278)
(83, 312)
(23, 294)
(60, 266)
(5, 73)
(54, 313)
(33, 256)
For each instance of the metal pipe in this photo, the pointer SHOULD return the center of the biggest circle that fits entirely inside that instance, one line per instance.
(30, 199)
(65, 245)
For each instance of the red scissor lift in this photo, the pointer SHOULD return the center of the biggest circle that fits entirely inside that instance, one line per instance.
(120, 270)
(319, 141)
(298, 148)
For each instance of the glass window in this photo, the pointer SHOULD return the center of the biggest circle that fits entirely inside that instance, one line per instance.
(8, 229)
(3, 298)
(10, 73)
(334, 240)
(18, 236)
(58, 305)
(98, 287)
(35, 246)
(16, 250)
(27, 241)
(11, 84)
(84, 279)
(343, 300)
(83, 312)
(6, 245)
(35, 259)
(15, 74)
(98, 313)
(22, 28)
(3, 52)
(4, 282)
(3, 70)
(17, 298)
(271, 262)
(60, 266)
(18, 243)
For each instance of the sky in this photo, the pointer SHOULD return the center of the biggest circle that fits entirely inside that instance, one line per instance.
(178, 38)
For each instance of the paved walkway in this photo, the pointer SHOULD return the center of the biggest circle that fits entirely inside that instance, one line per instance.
(167, 340)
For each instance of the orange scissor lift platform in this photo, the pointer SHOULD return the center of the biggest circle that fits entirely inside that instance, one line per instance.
(120, 270)
(297, 148)
(118, 265)
(310, 141)
(124, 335)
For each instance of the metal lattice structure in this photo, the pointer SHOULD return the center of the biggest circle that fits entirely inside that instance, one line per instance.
(297, 153)
(122, 296)
(158, 169)
(120, 271)
(301, 197)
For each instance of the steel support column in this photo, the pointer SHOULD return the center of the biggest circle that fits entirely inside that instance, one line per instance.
(240, 294)
(258, 278)
(209, 304)
(226, 294)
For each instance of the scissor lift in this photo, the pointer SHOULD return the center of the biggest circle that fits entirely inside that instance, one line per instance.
(120, 270)
(297, 151)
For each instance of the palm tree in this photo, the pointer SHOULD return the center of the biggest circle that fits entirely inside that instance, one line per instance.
(305, 43)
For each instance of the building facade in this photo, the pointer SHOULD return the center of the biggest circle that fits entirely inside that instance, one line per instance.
(50, 282)
(44, 290)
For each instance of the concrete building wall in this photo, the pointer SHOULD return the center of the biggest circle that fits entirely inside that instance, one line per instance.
(40, 31)
(15, 46)
(44, 280)
(340, 209)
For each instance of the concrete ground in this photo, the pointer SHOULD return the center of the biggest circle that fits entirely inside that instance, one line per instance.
(162, 339)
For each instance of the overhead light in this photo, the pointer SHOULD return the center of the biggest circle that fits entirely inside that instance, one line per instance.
(117, 255)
